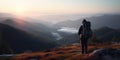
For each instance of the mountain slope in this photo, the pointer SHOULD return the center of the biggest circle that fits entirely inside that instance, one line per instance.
(73, 52)
(104, 34)
(111, 21)
(107, 34)
(21, 41)
(39, 30)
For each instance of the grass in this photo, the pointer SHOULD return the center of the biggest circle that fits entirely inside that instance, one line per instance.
(72, 52)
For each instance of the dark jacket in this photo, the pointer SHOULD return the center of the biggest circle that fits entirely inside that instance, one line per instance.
(80, 30)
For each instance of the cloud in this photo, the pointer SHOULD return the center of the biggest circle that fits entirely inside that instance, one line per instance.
(68, 30)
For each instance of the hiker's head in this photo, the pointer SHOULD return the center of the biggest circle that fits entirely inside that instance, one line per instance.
(84, 21)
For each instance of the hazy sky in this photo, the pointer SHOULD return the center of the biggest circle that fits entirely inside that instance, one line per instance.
(52, 7)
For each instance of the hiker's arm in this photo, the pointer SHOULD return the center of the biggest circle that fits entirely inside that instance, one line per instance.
(80, 30)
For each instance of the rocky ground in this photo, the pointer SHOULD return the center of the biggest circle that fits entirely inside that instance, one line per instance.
(73, 52)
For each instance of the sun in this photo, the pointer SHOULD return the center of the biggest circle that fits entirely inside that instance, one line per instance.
(20, 10)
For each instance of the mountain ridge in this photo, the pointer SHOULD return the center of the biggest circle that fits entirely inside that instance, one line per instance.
(21, 41)
(96, 22)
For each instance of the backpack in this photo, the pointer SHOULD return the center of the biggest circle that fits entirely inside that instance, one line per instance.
(87, 29)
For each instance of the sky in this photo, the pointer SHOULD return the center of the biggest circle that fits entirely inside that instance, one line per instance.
(58, 7)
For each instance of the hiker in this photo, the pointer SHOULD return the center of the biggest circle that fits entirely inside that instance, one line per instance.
(85, 33)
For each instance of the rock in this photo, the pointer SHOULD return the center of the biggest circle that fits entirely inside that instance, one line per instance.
(105, 54)
(7, 56)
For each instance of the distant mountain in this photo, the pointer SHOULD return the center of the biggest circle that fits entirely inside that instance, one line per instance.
(37, 29)
(111, 21)
(107, 34)
(104, 34)
(21, 41)
(4, 16)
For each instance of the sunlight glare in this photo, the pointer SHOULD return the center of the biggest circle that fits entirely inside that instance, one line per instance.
(19, 9)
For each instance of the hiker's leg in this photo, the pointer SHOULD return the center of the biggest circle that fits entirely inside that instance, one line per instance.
(86, 45)
(82, 47)
(83, 44)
